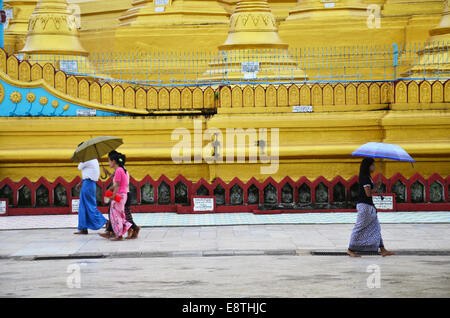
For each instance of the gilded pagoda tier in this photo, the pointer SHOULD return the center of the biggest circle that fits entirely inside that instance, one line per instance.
(252, 25)
(53, 29)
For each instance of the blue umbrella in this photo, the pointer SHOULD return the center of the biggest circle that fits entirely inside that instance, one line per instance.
(383, 150)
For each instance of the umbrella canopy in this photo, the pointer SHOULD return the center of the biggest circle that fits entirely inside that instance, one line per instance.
(96, 148)
(383, 150)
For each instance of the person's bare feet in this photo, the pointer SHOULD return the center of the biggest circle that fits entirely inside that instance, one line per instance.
(136, 232)
(130, 234)
(385, 252)
(120, 238)
(352, 254)
(84, 232)
(106, 235)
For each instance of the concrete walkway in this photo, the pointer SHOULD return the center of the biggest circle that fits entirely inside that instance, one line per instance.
(407, 239)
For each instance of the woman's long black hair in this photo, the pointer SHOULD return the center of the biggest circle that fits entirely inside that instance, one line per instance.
(364, 169)
(119, 158)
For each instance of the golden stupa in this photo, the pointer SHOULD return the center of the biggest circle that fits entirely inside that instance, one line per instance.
(17, 30)
(53, 29)
(253, 47)
(53, 37)
(434, 58)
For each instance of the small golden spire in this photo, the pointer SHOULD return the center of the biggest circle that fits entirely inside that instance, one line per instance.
(252, 25)
(52, 29)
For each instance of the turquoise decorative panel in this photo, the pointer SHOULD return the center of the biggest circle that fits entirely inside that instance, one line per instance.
(37, 102)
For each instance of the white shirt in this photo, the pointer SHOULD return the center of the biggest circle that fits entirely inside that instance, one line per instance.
(90, 169)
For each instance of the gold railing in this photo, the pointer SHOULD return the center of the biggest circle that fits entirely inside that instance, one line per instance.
(154, 98)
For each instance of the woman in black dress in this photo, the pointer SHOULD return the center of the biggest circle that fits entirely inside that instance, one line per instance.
(366, 235)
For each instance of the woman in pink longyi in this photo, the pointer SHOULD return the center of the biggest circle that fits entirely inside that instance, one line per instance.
(118, 195)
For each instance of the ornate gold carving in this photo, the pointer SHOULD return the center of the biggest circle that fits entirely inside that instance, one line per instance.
(252, 21)
(294, 95)
(72, 86)
(175, 97)
(15, 97)
(251, 17)
(225, 97)
(386, 95)
(118, 96)
(374, 94)
(413, 92)
(60, 81)
(425, 92)
(305, 95)
(3, 57)
(163, 101)
(248, 97)
(43, 100)
(260, 96)
(31, 97)
(328, 98)
(186, 98)
(107, 94)
(49, 74)
(271, 96)
(13, 67)
(316, 94)
(24, 72)
(141, 99)
(83, 89)
(130, 98)
(152, 98)
(95, 93)
(66, 107)
(197, 97)
(209, 98)
(236, 97)
(36, 72)
(339, 94)
(350, 94)
(282, 96)
(363, 94)
(447, 91)
(437, 92)
(53, 18)
(401, 93)
(55, 104)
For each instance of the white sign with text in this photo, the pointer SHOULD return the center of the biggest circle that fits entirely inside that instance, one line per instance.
(75, 205)
(302, 109)
(203, 204)
(385, 202)
(68, 66)
(86, 112)
(2, 207)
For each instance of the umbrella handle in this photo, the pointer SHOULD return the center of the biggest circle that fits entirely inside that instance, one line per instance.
(105, 176)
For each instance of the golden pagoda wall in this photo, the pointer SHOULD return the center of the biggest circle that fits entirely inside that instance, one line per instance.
(401, 22)
(414, 114)
(16, 33)
(99, 23)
